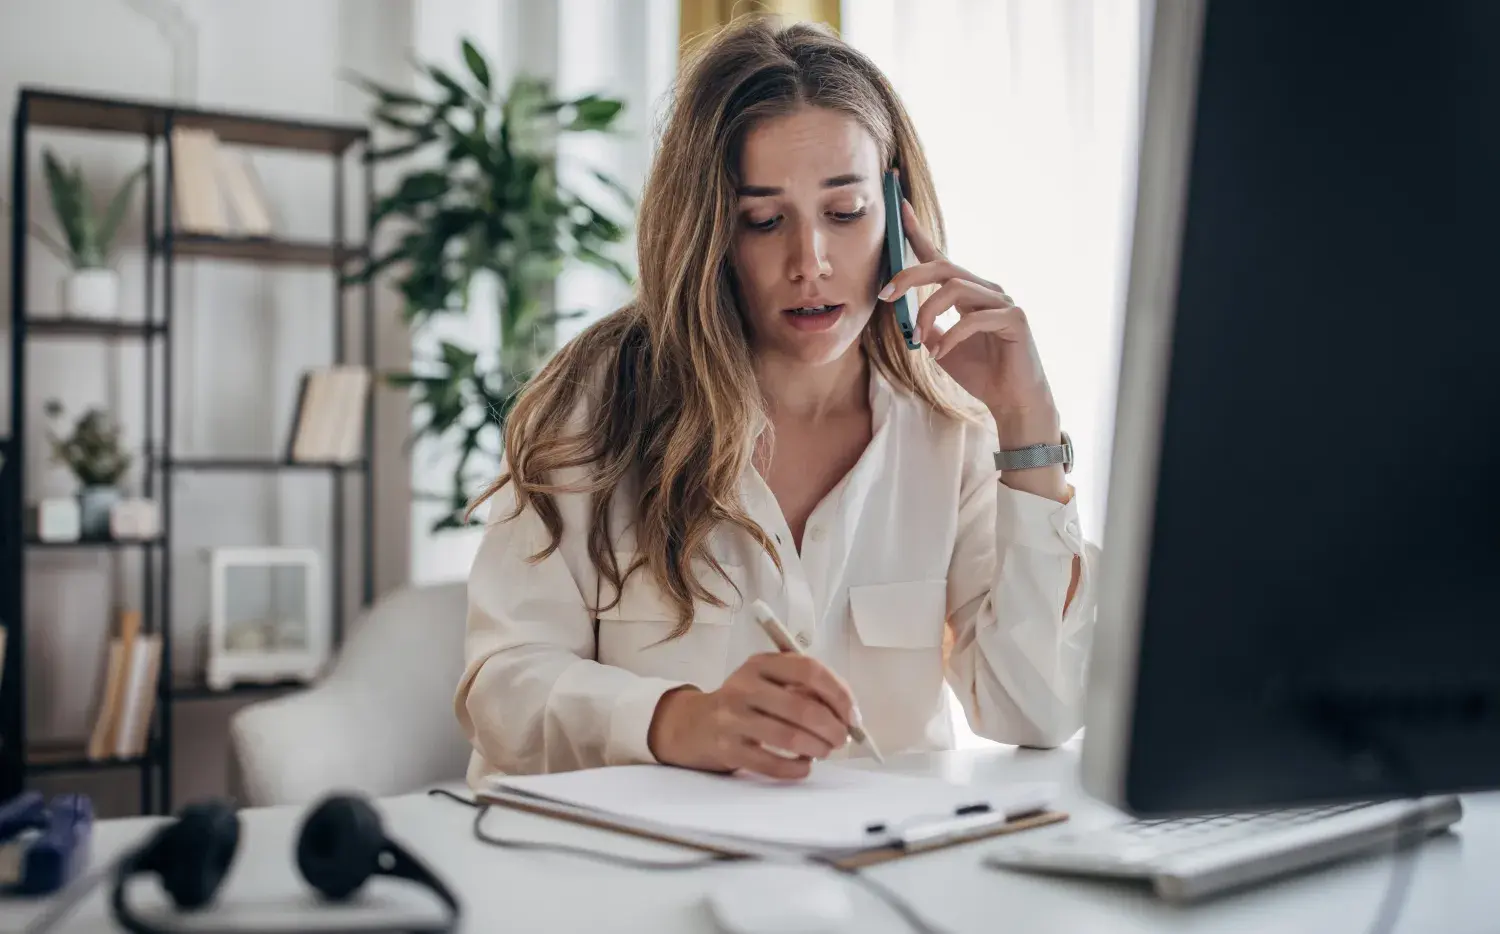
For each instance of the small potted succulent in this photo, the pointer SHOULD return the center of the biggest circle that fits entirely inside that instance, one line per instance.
(92, 288)
(93, 452)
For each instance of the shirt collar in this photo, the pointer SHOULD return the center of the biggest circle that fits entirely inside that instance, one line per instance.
(884, 421)
(855, 487)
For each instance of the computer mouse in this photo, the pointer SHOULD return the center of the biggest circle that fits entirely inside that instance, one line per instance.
(780, 899)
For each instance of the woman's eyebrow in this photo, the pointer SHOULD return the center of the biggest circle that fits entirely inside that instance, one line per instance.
(767, 191)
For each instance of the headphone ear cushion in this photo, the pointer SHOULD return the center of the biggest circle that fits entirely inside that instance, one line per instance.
(193, 854)
(339, 846)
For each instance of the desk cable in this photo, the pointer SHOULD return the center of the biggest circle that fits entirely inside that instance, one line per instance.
(890, 898)
(1348, 726)
(1405, 850)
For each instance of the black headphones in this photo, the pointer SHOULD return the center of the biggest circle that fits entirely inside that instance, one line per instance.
(340, 846)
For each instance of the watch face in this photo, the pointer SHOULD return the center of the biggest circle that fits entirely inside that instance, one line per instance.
(1067, 453)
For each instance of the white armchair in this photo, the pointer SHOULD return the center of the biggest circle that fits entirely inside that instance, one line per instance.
(379, 722)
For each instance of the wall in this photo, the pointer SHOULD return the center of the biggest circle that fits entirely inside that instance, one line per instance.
(242, 334)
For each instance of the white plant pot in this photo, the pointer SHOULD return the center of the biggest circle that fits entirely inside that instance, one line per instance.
(91, 293)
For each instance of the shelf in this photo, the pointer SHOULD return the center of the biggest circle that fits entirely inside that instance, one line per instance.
(255, 465)
(33, 542)
(83, 327)
(74, 758)
(81, 112)
(262, 250)
(197, 690)
(145, 126)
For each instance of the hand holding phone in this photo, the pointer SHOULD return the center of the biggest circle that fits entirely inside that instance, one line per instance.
(895, 253)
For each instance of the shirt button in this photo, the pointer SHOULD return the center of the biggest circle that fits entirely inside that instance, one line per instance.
(1072, 527)
(816, 533)
(803, 640)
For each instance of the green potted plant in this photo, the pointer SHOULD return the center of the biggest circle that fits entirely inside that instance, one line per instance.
(93, 452)
(92, 288)
(485, 199)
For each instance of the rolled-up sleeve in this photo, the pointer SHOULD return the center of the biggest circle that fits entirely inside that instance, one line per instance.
(532, 698)
(1020, 647)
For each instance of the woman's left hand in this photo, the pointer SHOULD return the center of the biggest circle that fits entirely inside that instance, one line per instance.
(989, 351)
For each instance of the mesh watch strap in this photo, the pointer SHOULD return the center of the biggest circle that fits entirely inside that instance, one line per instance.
(1037, 455)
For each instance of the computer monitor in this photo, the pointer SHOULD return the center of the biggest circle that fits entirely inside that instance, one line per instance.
(1300, 589)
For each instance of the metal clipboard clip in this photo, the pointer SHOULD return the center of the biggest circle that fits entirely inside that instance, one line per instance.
(1018, 803)
(921, 832)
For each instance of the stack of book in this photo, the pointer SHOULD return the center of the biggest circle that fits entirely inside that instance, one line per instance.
(329, 423)
(122, 727)
(216, 190)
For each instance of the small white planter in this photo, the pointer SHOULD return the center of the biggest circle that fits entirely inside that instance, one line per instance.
(91, 293)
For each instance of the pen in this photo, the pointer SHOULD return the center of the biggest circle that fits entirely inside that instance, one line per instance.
(778, 634)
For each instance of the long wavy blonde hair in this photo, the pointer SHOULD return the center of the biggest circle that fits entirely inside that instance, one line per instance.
(678, 402)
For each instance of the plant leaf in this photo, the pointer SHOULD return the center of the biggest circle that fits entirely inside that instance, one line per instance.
(423, 186)
(608, 264)
(115, 212)
(455, 90)
(404, 149)
(422, 127)
(386, 95)
(67, 203)
(459, 360)
(614, 184)
(374, 267)
(477, 64)
(593, 113)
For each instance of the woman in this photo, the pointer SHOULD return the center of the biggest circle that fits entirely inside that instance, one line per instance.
(752, 426)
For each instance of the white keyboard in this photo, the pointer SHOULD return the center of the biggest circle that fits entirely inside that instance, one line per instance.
(1186, 858)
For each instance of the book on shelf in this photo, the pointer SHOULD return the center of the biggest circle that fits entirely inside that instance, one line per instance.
(328, 424)
(216, 190)
(122, 725)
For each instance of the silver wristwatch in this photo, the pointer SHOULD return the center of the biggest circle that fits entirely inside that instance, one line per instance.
(1037, 455)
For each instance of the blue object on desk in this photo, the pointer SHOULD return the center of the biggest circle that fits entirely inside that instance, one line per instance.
(44, 845)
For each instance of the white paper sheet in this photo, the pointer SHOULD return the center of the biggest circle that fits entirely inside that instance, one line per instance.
(833, 809)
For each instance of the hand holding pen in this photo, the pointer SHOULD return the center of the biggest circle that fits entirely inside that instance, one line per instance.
(773, 716)
(783, 640)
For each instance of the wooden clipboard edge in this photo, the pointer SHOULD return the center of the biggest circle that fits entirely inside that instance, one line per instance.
(857, 861)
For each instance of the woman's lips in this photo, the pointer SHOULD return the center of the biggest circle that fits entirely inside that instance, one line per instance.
(815, 321)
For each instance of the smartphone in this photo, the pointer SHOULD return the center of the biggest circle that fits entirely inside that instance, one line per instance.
(895, 257)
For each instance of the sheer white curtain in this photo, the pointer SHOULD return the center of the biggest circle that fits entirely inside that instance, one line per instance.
(1028, 111)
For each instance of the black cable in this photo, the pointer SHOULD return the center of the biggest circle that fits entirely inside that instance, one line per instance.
(1396, 890)
(1406, 849)
(1352, 729)
(631, 862)
(890, 898)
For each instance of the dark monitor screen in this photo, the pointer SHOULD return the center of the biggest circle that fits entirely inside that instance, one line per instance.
(1301, 593)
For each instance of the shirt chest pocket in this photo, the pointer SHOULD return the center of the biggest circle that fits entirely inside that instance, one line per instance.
(896, 654)
(636, 633)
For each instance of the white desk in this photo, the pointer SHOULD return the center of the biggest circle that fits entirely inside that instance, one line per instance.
(1453, 888)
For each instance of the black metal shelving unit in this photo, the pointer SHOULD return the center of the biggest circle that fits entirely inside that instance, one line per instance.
(153, 123)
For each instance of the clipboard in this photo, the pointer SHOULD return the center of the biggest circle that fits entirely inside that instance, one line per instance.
(916, 837)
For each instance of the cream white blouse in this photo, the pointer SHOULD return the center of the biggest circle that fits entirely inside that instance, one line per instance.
(918, 534)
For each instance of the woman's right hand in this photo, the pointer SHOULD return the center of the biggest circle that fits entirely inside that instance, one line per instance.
(792, 703)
